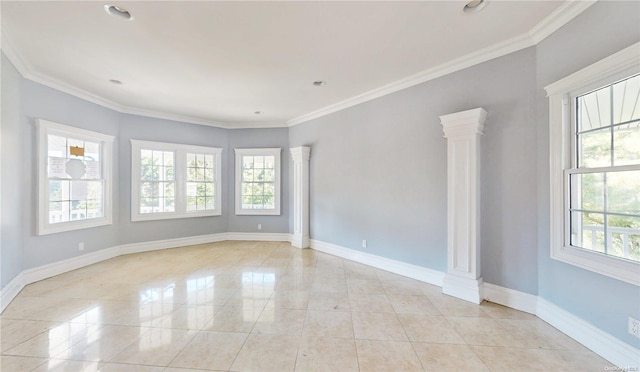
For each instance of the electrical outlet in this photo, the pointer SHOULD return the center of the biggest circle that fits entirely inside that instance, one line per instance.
(364, 243)
(634, 326)
(81, 247)
(259, 226)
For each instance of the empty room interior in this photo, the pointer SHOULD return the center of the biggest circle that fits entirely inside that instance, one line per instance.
(320, 185)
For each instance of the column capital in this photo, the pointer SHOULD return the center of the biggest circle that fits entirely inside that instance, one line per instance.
(464, 123)
(300, 153)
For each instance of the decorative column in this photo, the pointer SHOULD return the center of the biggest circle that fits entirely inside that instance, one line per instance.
(462, 131)
(300, 157)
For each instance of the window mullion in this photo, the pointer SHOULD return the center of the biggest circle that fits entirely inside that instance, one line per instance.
(180, 179)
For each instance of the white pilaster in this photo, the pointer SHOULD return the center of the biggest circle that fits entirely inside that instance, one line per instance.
(300, 155)
(462, 131)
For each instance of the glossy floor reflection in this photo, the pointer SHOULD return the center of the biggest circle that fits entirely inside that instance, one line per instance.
(265, 306)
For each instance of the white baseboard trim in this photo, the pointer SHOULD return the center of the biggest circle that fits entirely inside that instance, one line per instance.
(56, 268)
(511, 298)
(602, 343)
(463, 288)
(10, 291)
(397, 267)
(170, 243)
(264, 237)
(26, 277)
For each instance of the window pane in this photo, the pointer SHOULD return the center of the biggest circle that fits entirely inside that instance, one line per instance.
(624, 237)
(247, 175)
(269, 202)
(269, 162)
(92, 151)
(594, 109)
(587, 191)
(192, 189)
(57, 146)
(623, 192)
(626, 141)
(169, 191)
(78, 190)
(587, 231)
(595, 148)
(157, 158)
(168, 173)
(626, 105)
(55, 190)
(247, 162)
(191, 203)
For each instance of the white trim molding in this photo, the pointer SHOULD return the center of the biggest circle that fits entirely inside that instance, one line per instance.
(511, 298)
(606, 71)
(561, 16)
(300, 156)
(462, 131)
(420, 273)
(602, 343)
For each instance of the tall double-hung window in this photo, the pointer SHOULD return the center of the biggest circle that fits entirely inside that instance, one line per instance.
(595, 167)
(74, 178)
(174, 181)
(258, 181)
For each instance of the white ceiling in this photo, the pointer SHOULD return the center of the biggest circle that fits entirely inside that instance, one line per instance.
(216, 63)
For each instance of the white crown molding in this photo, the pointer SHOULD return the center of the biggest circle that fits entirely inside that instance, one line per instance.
(558, 18)
(27, 72)
(561, 16)
(494, 51)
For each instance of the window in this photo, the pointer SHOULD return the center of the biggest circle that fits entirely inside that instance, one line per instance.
(258, 181)
(74, 178)
(174, 181)
(595, 167)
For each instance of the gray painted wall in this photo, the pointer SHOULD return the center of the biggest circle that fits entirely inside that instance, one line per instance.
(12, 174)
(259, 138)
(600, 300)
(40, 102)
(378, 171)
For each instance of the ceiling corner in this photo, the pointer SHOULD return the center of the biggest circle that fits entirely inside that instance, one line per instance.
(558, 18)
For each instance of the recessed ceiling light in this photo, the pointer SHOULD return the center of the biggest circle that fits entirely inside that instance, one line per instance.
(116, 82)
(319, 83)
(118, 12)
(474, 6)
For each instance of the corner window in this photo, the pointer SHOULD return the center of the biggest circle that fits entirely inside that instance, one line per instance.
(74, 178)
(174, 181)
(258, 181)
(595, 167)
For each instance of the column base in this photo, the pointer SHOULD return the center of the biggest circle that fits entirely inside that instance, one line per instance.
(463, 288)
(300, 241)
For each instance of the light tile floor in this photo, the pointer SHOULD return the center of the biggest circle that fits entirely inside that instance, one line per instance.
(265, 306)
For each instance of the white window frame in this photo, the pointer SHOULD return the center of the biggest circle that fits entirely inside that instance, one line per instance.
(180, 172)
(561, 121)
(238, 168)
(45, 128)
